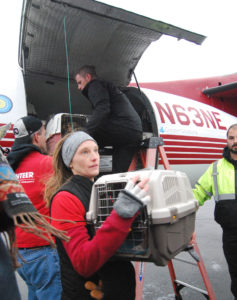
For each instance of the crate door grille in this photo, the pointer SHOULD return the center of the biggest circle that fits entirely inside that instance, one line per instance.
(136, 242)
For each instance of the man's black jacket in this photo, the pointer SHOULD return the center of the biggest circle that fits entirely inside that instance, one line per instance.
(111, 108)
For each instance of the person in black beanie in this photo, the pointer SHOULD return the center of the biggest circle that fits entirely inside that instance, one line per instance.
(16, 210)
(33, 168)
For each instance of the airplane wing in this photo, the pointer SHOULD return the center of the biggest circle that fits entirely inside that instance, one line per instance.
(225, 91)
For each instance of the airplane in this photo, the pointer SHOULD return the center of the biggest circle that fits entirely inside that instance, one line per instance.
(57, 37)
(217, 91)
(194, 118)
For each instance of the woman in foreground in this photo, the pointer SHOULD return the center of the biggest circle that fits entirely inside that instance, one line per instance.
(87, 257)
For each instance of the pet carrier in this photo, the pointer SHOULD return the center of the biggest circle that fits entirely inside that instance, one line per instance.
(163, 228)
(61, 124)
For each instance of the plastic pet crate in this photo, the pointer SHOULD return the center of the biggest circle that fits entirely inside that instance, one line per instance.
(163, 228)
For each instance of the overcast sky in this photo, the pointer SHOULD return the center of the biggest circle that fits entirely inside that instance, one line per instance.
(169, 59)
(166, 59)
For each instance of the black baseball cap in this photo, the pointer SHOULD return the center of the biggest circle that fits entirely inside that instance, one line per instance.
(24, 128)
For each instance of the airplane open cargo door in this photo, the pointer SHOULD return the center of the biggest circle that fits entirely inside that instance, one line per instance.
(82, 32)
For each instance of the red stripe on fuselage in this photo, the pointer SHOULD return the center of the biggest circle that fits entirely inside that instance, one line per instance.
(193, 144)
(182, 149)
(192, 138)
(192, 149)
(8, 139)
(189, 162)
(6, 143)
(193, 155)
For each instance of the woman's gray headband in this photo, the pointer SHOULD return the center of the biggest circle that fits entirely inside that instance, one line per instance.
(71, 144)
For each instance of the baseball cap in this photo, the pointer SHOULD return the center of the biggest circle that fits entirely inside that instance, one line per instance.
(24, 128)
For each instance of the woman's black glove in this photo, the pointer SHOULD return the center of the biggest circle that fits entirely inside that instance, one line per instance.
(132, 198)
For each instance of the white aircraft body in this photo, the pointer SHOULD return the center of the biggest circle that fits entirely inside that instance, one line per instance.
(37, 76)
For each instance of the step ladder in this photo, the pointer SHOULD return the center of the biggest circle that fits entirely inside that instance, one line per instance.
(151, 151)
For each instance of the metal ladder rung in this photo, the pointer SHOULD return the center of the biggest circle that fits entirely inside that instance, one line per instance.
(149, 158)
(184, 284)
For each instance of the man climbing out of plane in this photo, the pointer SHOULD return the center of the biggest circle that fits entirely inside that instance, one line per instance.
(220, 181)
(40, 265)
(114, 121)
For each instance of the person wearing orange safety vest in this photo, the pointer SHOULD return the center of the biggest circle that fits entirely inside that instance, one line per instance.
(220, 181)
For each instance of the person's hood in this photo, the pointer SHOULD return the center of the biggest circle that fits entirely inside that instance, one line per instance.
(19, 152)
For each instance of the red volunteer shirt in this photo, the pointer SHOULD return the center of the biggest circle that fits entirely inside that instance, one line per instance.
(33, 172)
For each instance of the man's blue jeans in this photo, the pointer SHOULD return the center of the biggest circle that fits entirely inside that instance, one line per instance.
(41, 273)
